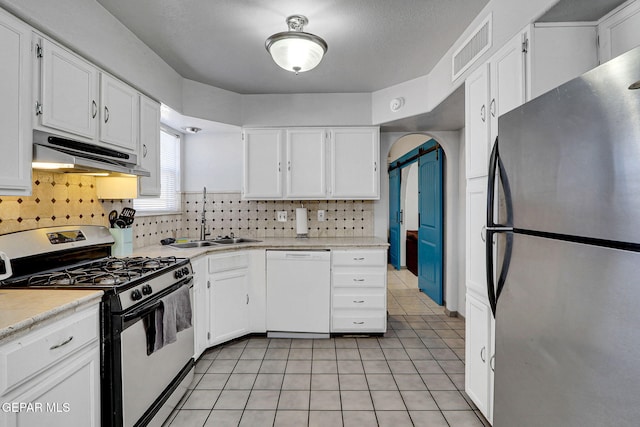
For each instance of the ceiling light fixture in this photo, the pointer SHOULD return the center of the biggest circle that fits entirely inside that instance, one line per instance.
(295, 50)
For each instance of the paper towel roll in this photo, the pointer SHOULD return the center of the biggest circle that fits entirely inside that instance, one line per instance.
(302, 228)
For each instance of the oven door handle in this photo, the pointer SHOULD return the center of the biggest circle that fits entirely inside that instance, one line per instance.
(143, 311)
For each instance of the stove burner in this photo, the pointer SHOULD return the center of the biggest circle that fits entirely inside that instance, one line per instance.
(152, 264)
(105, 272)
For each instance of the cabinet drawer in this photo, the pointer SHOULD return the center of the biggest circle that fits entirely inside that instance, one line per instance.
(358, 301)
(364, 257)
(31, 354)
(218, 263)
(355, 279)
(366, 323)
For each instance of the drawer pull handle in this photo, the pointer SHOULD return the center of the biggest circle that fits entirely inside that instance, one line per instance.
(482, 350)
(358, 280)
(359, 259)
(358, 323)
(65, 342)
(359, 302)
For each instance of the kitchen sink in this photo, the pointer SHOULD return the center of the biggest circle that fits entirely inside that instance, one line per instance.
(232, 240)
(214, 242)
(196, 244)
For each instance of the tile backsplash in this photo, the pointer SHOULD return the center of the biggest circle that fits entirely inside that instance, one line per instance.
(227, 212)
(70, 199)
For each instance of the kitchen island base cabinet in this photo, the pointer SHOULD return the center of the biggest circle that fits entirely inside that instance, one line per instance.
(359, 291)
(56, 369)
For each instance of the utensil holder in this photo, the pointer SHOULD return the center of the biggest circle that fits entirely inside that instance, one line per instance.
(123, 241)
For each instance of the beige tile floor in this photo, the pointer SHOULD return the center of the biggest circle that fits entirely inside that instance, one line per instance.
(411, 376)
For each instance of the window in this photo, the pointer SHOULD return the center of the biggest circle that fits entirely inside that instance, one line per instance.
(169, 200)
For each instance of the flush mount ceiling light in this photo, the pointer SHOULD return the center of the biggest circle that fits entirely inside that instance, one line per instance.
(295, 50)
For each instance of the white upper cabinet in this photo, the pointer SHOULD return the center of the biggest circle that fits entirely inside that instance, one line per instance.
(561, 52)
(492, 90)
(78, 101)
(118, 113)
(318, 163)
(619, 31)
(262, 164)
(355, 156)
(149, 147)
(508, 79)
(15, 108)
(306, 163)
(477, 122)
(68, 91)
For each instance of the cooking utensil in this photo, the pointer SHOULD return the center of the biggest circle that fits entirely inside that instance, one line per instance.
(127, 215)
(113, 216)
(120, 223)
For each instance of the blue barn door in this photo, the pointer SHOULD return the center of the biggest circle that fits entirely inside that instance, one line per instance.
(394, 218)
(430, 225)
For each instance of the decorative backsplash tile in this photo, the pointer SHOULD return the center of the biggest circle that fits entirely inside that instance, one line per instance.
(227, 212)
(70, 199)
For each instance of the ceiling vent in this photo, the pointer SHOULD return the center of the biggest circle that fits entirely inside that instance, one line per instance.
(473, 47)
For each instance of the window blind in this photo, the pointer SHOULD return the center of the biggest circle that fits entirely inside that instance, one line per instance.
(169, 200)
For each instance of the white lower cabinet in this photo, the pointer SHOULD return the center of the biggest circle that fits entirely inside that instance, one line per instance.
(228, 295)
(359, 291)
(479, 354)
(55, 371)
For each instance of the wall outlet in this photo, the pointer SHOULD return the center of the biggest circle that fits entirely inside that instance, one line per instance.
(321, 215)
(282, 216)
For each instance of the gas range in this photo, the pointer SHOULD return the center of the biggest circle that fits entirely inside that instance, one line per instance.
(137, 292)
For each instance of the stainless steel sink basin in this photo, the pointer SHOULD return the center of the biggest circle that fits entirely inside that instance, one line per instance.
(232, 240)
(214, 242)
(197, 244)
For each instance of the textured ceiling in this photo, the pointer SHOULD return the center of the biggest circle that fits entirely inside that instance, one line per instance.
(373, 44)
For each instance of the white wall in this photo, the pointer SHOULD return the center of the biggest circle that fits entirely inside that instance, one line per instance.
(307, 109)
(214, 161)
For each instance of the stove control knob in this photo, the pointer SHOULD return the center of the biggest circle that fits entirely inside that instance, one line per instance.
(185, 271)
(178, 274)
(136, 295)
(146, 290)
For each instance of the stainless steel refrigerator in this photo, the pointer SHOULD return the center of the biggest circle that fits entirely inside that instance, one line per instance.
(564, 281)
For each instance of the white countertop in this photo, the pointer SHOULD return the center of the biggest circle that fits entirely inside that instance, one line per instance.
(21, 309)
(267, 243)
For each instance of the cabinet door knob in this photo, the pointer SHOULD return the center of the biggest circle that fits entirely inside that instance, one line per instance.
(483, 231)
(94, 109)
(358, 302)
(483, 115)
(492, 107)
(106, 114)
(492, 362)
(482, 351)
(144, 150)
(358, 323)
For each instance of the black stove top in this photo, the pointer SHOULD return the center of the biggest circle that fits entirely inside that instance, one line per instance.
(106, 273)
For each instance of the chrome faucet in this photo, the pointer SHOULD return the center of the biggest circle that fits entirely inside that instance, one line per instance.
(203, 225)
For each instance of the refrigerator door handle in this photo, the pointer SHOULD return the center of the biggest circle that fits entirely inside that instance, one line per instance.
(496, 165)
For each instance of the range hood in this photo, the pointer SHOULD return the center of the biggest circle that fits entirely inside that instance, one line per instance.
(66, 155)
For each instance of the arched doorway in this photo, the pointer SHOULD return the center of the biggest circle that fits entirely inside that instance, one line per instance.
(416, 238)
(393, 146)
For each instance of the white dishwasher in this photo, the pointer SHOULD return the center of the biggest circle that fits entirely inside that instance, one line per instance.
(298, 293)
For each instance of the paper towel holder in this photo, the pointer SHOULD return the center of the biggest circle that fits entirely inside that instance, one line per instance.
(302, 228)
